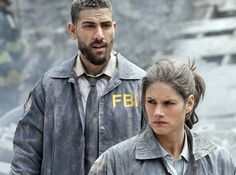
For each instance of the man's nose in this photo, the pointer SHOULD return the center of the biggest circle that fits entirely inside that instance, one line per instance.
(99, 34)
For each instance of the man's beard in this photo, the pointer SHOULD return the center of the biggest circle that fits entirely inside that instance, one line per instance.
(87, 53)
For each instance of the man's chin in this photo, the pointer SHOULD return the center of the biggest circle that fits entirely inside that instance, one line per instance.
(99, 54)
(96, 58)
(99, 61)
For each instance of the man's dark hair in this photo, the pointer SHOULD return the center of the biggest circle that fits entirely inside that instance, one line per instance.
(78, 5)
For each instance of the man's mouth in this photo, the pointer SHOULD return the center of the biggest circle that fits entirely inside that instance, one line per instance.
(99, 47)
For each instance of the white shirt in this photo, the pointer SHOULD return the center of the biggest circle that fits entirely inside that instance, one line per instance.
(84, 85)
(180, 166)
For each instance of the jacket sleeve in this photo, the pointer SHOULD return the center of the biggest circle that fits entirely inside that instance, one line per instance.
(225, 162)
(105, 164)
(100, 166)
(28, 138)
(114, 161)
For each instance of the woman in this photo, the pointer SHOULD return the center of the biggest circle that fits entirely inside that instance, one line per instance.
(171, 91)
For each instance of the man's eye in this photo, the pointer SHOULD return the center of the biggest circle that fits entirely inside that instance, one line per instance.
(106, 25)
(168, 103)
(88, 26)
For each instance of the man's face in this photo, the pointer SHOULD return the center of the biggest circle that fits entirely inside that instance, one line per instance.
(95, 33)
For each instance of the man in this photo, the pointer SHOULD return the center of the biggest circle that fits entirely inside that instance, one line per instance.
(57, 134)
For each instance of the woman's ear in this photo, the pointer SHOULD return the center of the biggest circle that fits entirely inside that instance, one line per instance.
(190, 103)
(71, 28)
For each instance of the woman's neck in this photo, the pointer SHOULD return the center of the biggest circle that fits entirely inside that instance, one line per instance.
(173, 144)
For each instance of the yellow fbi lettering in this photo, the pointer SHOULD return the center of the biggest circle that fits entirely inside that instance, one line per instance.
(128, 100)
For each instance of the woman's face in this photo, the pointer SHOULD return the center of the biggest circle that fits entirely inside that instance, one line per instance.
(166, 109)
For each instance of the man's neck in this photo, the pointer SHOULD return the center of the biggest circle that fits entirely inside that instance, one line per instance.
(91, 68)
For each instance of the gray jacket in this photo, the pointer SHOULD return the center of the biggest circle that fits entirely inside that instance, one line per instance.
(49, 140)
(141, 155)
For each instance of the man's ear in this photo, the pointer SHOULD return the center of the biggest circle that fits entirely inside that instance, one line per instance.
(72, 30)
(115, 26)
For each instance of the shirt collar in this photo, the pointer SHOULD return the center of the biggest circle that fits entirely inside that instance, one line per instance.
(108, 70)
(184, 153)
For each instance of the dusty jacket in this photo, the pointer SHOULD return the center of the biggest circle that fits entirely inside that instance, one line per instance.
(49, 140)
(141, 155)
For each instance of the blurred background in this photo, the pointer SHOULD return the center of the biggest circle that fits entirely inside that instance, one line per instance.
(33, 38)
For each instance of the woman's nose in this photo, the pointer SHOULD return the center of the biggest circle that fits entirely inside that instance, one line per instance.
(159, 112)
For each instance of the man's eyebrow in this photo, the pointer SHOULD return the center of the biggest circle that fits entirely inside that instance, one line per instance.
(102, 22)
(106, 21)
(88, 22)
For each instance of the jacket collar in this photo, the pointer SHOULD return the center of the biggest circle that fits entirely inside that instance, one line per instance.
(125, 69)
(199, 144)
(147, 148)
(128, 70)
(64, 70)
(108, 70)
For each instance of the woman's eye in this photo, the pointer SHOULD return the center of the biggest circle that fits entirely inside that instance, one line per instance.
(168, 103)
(151, 101)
